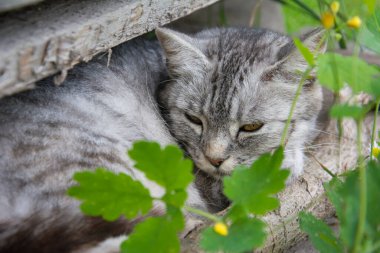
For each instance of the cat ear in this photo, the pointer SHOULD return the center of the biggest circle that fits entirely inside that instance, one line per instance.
(315, 41)
(182, 52)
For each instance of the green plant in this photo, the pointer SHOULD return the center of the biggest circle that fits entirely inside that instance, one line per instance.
(104, 193)
(355, 194)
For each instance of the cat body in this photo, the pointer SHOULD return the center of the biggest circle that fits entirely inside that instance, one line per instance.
(225, 95)
(51, 132)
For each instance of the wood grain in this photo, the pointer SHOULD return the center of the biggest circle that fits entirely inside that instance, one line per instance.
(53, 36)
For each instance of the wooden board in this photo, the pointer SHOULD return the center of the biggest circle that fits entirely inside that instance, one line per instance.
(53, 36)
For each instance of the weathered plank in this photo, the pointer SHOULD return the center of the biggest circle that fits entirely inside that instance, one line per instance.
(55, 35)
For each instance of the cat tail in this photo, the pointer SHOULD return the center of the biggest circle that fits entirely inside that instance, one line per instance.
(60, 232)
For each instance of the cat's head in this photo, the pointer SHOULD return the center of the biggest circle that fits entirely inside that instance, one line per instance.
(230, 95)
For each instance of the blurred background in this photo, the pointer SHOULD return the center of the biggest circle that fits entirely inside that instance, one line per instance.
(268, 14)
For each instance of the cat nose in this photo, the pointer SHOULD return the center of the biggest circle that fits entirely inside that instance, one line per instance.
(215, 161)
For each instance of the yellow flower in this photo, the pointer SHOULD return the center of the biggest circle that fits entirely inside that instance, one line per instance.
(221, 228)
(327, 20)
(354, 22)
(334, 6)
(376, 151)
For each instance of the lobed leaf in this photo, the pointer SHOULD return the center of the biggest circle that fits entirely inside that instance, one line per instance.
(320, 234)
(334, 71)
(349, 111)
(370, 33)
(104, 193)
(154, 235)
(345, 198)
(243, 235)
(165, 166)
(254, 188)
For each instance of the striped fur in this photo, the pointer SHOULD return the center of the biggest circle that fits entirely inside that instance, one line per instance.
(225, 77)
(89, 121)
(230, 77)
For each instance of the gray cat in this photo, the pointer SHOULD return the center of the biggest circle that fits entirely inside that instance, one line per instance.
(89, 121)
(225, 101)
(231, 93)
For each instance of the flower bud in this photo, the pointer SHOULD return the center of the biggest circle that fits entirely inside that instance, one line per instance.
(376, 151)
(354, 22)
(338, 36)
(334, 6)
(327, 20)
(221, 228)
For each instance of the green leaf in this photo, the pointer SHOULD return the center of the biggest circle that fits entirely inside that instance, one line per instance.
(373, 203)
(110, 195)
(154, 235)
(167, 167)
(175, 216)
(243, 235)
(254, 188)
(335, 70)
(332, 188)
(349, 111)
(345, 198)
(305, 51)
(175, 198)
(296, 18)
(320, 234)
(370, 33)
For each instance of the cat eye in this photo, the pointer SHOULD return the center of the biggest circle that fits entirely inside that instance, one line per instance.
(251, 127)
(193, 119)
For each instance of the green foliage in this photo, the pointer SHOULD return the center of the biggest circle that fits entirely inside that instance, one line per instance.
(166, 167)
(356, 198)
(251, 191)
(296, 18)
(371, 4)
(110, 195)
(104, 193)
(320, 234)
(253, 188)
(345, 196)
(156, 235)
(335, 70)
(309, 57)
(349, 111)
(370, 34)
(244, 234)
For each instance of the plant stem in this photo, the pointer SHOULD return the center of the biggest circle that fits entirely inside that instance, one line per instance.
(299, 6)
(362, 190)
(307, 8)
(374, 127)
(293, 106)
(324, 167)
(222, 14)
(202, 213)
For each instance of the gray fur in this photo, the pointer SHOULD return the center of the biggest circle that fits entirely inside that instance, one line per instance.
(89, 121)
(234, 76)
(226, 77)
